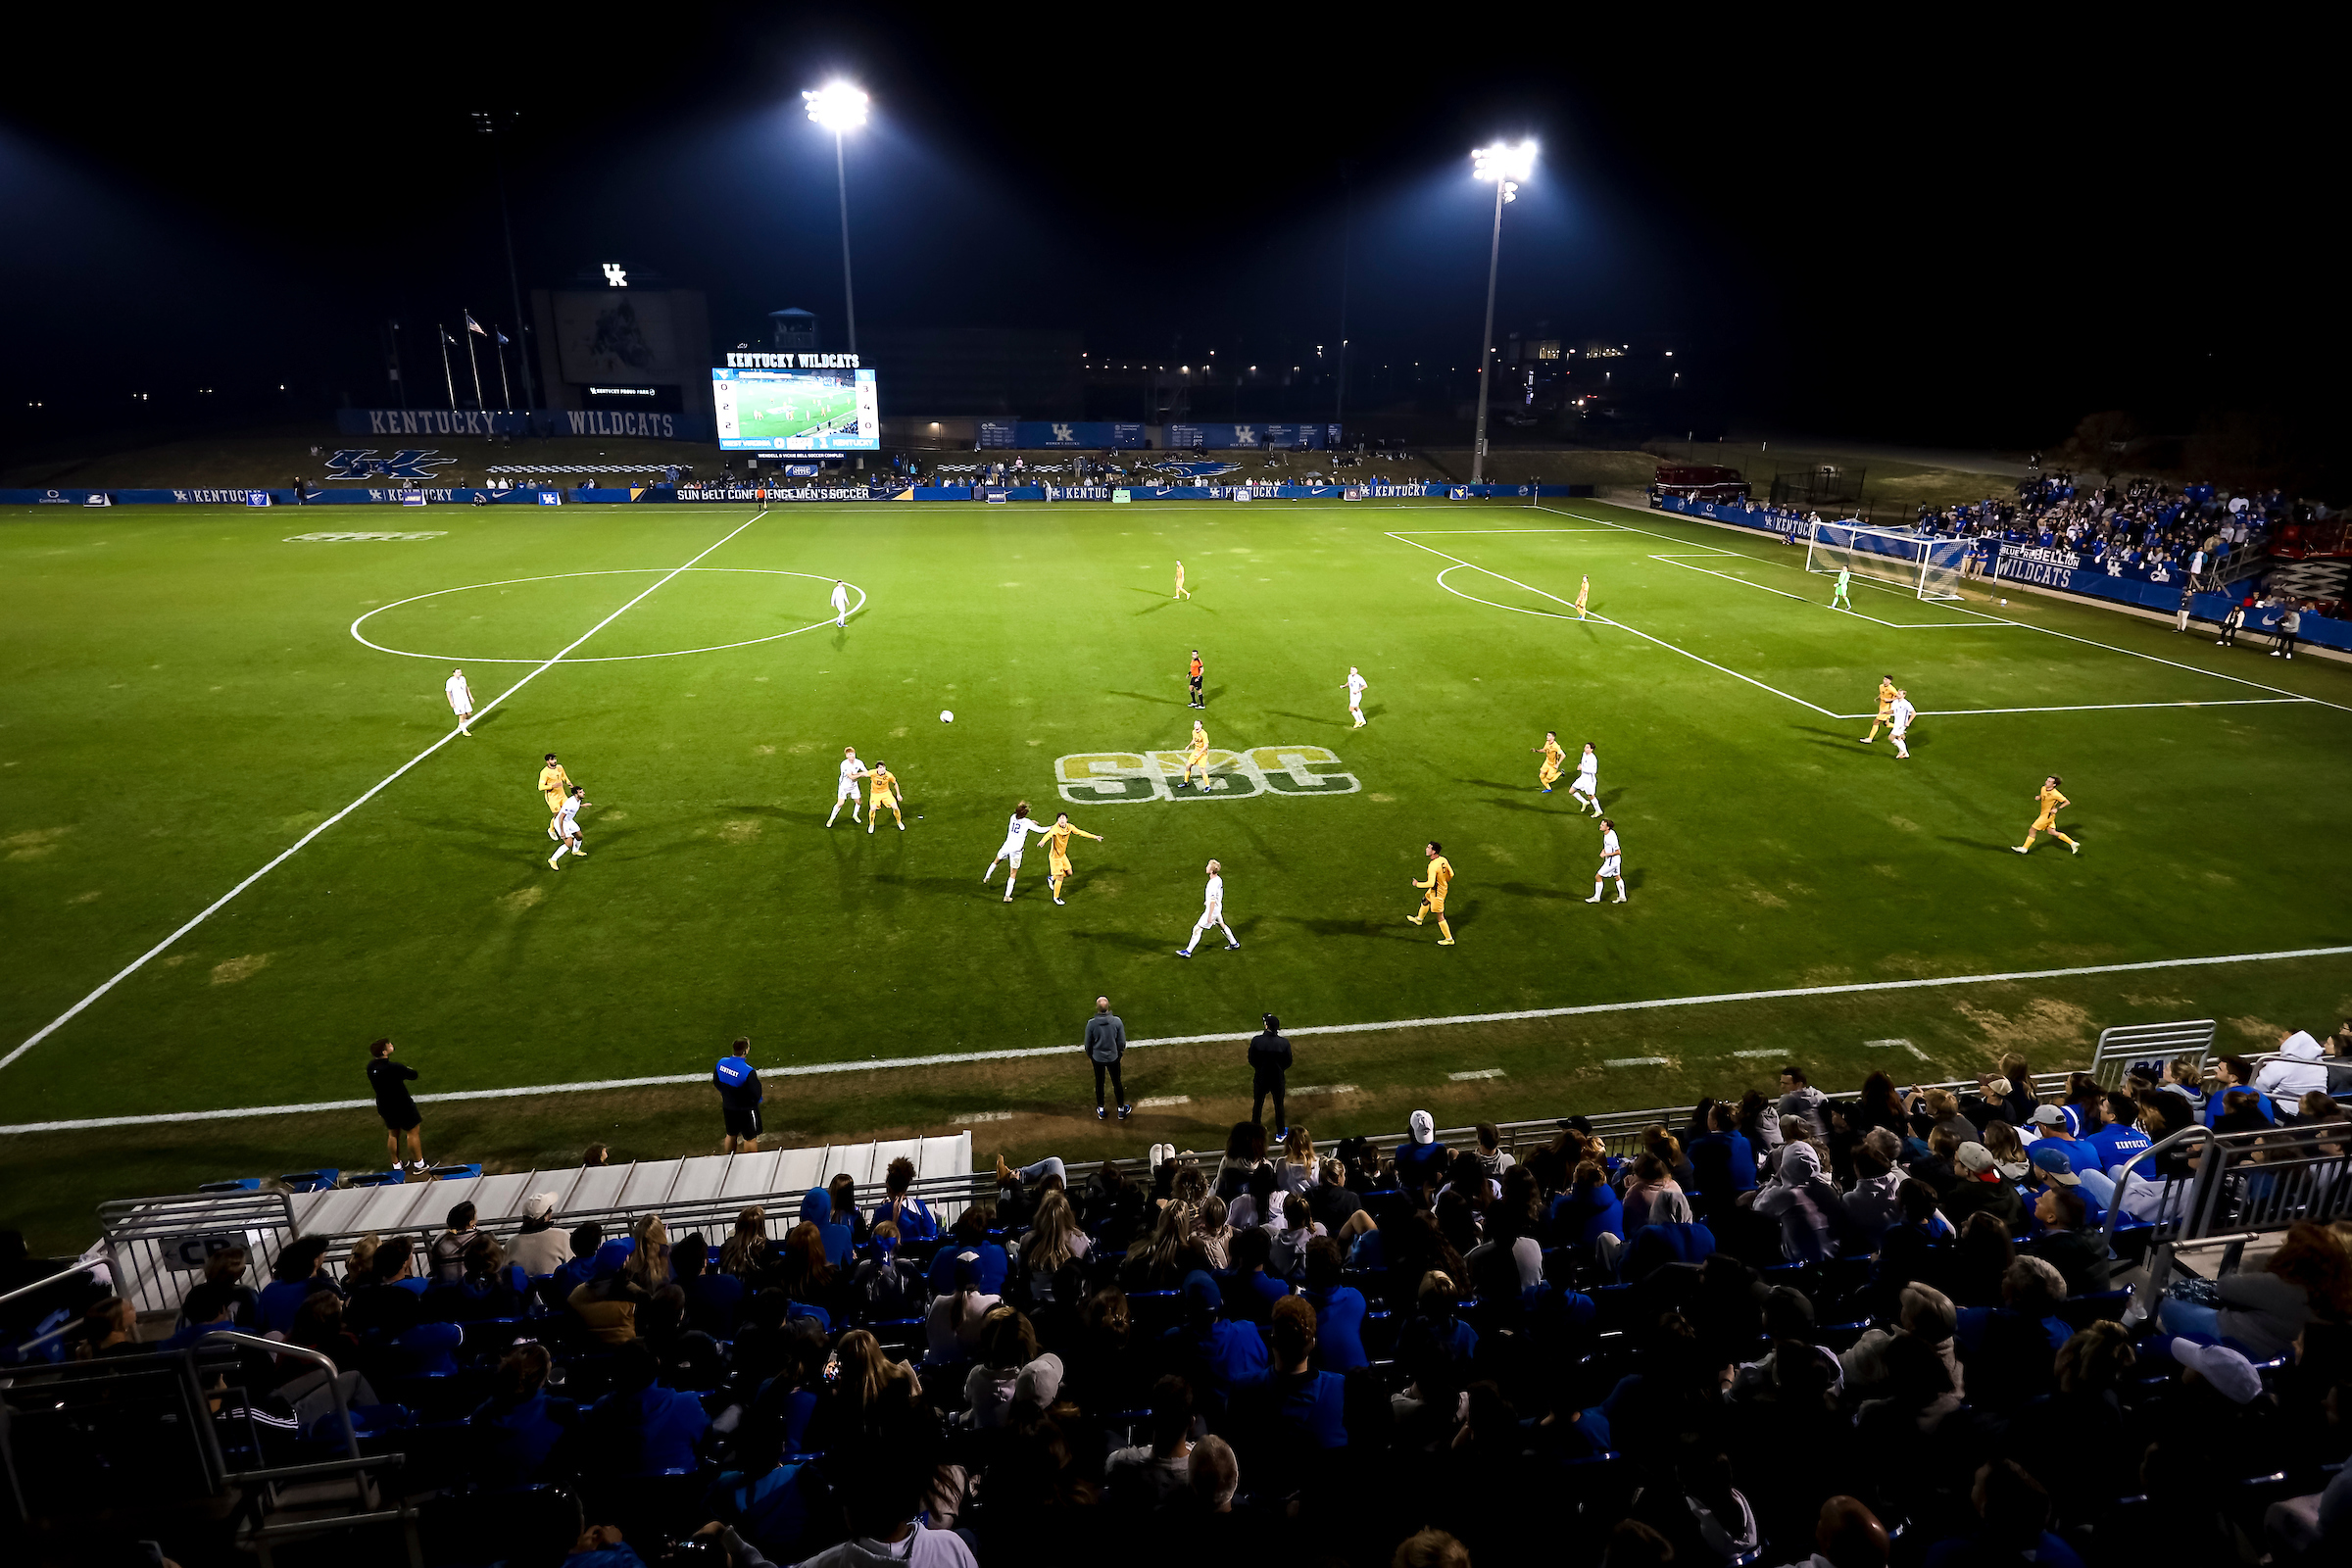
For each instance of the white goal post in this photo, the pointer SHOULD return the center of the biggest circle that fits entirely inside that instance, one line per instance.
(1918, 564)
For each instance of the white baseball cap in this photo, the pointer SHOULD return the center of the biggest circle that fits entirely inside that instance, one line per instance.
(2231, 1373)
(539, 1205)
(1425, 1131)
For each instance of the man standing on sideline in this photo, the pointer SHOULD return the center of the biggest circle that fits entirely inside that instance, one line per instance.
(1106, 1044)
(460, 699)
(841, 603)
(2187, 597)
(390, 1080)
(740, 1097)
(2289, 625)
(1269, 1065)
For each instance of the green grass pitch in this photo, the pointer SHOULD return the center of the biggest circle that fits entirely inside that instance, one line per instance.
(785, 413)
(185, 699)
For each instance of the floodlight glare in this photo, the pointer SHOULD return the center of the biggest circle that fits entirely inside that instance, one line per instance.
(1500, 162)
(1505, 167)
(837, 106)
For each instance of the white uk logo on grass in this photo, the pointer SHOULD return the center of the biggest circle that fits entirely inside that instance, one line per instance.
(1126, 778)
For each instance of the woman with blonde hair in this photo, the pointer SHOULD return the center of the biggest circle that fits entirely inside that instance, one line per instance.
(2007, 1150)
(1053, 1243)
(1215, 1235)
(867, 1391)
(744, 1251)
(648, 1267)
(1298, 1168)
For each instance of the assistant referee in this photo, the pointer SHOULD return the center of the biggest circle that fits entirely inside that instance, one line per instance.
(740, 1097)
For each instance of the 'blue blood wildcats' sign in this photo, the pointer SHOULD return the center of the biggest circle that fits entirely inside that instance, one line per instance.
(1127, 778)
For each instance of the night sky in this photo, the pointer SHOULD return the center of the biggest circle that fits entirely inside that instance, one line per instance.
(1950, 241)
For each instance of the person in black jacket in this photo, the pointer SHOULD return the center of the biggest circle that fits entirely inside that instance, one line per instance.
(1269, 1063)
(390, 1080)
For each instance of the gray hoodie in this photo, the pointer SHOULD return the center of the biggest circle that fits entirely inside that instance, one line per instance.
(1799, 1197)
(1805, 1101)
(2295, 1071)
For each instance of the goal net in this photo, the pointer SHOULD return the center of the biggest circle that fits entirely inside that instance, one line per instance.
(1925, 566)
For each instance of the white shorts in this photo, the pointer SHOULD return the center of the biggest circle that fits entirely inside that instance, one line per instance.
(1614, 865)
(848, 791)
(1901, 729)
(1011, 853)
(567, 831)
(457, 707)
(1585, 784)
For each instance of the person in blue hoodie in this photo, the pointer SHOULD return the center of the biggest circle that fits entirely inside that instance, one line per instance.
(640, 1428)
(816, 1208)
(1339, 1309)
(911, 1214)
(970, 1234)
(300, 1271)
(2119, 1136)
(519, 1426)
(1579, 1216)
(1224, 1354)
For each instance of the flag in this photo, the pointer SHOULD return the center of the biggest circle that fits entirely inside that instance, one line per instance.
(502, 338)
(474, 327)
(445, 337)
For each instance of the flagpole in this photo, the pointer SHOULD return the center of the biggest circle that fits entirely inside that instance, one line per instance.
(471, 360)
(447, 378)
(506, 398)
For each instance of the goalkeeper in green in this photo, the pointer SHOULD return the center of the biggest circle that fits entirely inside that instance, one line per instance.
(1842, 594)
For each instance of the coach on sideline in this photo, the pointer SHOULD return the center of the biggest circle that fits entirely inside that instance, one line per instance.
(740, 1097)
(1269, 1065)
(1106, 1044)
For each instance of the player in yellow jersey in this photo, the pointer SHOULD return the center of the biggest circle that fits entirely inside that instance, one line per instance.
(1584, 591)
(1548, 773)
(555, 786)
(885, 787)
(1057, 852)
(1886, 714)
(1180, 593)
(2047, 819)
(1195, 755)
(1433, 893)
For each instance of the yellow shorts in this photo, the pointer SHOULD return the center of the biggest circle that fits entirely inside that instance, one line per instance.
(1886, 716)
(879, 802)
(2047, 824)
(555, 801)
(1055, 865)
(1550, 775)
(1434, 902)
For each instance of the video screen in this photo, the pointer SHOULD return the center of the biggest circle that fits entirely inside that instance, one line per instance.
(796, 410)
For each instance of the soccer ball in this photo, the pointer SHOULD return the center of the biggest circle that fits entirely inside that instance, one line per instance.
(2004, 603)
(945, 717)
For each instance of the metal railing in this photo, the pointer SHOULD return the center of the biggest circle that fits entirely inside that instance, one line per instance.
(148, 1240)
(2190, 1040)
(2246, 1185)
(2173, 1201)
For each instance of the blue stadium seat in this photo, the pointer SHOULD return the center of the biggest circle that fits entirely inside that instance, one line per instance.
(235, 1184)
(311, 1181)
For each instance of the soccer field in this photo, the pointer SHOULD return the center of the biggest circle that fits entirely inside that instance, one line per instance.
(189, 693)
(782, 413)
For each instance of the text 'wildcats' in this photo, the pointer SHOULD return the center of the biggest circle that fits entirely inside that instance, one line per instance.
(1123, 778)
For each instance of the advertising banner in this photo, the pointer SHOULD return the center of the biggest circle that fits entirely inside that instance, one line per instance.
(400, 422)
(1248, 437)
(1031, 435)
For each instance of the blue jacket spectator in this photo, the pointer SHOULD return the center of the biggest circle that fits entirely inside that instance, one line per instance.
(1251, 1294)
(640, 1428)
(970, 1235)
(713, 1302)
(1338, 1311)
(557, 1287)
(2052, 1125)
(1721, 1161)
(1421, 1161)
(911, 1214)
(1227, 1355)
(1588, 1208)
(1307, 1403)
(300, 1270)
(2119, 1137)
(816, 1208)
(516, 1429)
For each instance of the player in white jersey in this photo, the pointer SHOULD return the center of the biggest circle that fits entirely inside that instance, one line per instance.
(1612, 862)
(841, 603)
(1016, 838)
(1212, 912)
(460, 699)
(568, 827)
(1589, 779)
(1355, 696)
(851, 771)
(1903, 713)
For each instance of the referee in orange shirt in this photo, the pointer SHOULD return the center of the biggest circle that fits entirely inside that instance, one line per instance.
(1199, 699)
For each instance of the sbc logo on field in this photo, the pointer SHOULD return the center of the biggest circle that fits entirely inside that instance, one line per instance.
(1123, 778)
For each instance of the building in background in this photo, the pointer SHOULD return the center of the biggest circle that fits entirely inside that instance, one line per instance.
(616, 339)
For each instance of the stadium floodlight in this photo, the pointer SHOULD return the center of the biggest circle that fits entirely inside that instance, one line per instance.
(838, 107)
(1505, 166)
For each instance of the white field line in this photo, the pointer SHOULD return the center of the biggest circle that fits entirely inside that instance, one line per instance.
(1601, 619)
(1783, 593)
(1226, 1037)
(1984, 615)
(377, 788)
(1481, 1072)
(1158, 1101)
(1637, 1061)
(602, 659)
(972, 1116)
(1757, 1056)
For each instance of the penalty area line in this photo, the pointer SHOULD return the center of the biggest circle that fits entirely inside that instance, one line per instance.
(373, 791)
(826, 1068)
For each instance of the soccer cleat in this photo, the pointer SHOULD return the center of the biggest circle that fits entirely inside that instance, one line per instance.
(1446, 942)
(869, 830)
(555, 862)
(551, 830)
(1184, 953)
(901, 827)
(1233, 947)
(1595, 898)
(1412, 919)
(582, 854)
(1125, 1111)
(2017, 849)
(1865, 740)
(1058, 901)
(1620, 898)
(2076, 846)
(1548, 789)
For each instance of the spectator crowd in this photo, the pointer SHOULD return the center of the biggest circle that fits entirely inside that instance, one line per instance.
(1871, 1329)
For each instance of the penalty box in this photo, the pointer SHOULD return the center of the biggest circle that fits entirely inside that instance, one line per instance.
(1128, 778)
